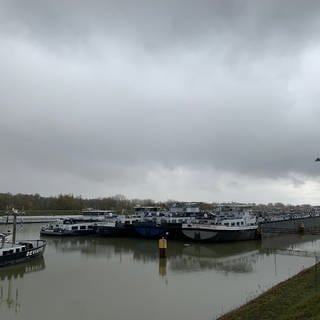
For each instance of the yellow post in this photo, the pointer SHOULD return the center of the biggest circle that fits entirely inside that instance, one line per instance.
(162, 247)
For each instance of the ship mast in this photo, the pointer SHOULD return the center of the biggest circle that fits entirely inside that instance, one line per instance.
(14, 231)
(14, 213)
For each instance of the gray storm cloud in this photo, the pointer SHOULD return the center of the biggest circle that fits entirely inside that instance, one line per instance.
(146, 95)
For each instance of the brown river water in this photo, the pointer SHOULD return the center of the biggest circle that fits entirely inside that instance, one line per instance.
(95, 278)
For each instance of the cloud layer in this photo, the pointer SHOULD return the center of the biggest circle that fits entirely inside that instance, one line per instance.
(213, 101)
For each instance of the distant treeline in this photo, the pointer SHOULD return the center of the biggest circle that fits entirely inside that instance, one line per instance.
(118, 203)
(69, 202)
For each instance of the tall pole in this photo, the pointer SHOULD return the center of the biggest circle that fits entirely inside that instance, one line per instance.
(14, 227)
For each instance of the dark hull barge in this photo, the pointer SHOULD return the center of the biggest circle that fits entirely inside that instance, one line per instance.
(152, 230)
(214, 233)
(145, 230)
(23, 251)
(115, 229)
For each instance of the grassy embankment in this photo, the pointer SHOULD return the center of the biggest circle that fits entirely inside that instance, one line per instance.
(296, 298)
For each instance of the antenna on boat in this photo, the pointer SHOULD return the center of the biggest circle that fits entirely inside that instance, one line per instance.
(14, 231)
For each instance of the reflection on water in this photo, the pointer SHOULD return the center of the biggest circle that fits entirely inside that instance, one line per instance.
(162, 267)
(193, 260)
(19, 270)
(235, 257)
(98, 278)
(9, 291)
(293, 245)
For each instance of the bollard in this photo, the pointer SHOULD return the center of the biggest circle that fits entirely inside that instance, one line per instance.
(162, 247)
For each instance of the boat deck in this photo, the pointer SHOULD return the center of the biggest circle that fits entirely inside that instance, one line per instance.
(19, 244)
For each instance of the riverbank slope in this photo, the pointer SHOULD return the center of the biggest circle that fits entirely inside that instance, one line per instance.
(296, 298)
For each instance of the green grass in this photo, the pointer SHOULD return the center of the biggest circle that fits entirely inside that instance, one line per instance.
(295, 299)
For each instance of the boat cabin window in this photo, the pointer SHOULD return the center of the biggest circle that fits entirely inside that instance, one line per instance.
(18, 250)
(7, 252)
(90, 227)
(226, 223)
(74, 228)
(23, 249)
(82, 227)
(232, 223)
(29, 245)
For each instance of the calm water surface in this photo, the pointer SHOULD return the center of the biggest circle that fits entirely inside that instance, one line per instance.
(119, 279)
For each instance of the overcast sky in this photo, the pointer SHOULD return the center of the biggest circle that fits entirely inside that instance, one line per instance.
(173, 99)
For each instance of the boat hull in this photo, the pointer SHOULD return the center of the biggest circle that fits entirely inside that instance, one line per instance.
(147, 230)
(206, 235)
(66, 233)
(118, 230)
(20, 257)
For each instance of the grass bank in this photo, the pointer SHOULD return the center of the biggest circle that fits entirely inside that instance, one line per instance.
(296, 298)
